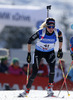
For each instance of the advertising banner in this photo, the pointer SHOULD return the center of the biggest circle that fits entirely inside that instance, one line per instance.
(17, 82)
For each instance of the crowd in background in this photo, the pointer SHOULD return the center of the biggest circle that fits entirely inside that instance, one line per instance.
(15, 68)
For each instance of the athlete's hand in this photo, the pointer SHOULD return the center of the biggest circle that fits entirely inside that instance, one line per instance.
(60, 53)
(29, 57)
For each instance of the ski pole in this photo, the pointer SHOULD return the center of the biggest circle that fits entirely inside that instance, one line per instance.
(27, 74)
(65, 78)
(62, 68)
(69, 69)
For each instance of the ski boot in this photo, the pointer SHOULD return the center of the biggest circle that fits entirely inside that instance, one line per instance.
(50, 90)
(24, 94)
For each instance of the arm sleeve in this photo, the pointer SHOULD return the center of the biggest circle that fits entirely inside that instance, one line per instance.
(33, 37)
(60, 37)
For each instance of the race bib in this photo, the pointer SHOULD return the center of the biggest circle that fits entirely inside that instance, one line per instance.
(45, 46)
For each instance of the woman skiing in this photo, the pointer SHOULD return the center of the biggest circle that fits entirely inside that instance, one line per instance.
(44, 48)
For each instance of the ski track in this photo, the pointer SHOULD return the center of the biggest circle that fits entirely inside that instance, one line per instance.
(34, 95)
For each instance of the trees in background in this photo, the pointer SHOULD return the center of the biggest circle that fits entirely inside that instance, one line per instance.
(15, 37)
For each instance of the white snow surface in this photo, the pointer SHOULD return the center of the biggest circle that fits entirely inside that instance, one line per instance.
(34, 95)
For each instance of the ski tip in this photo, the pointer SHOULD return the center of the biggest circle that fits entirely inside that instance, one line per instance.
(22, 96)
(54, 96)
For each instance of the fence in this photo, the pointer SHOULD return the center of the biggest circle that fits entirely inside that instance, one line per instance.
(17, 82)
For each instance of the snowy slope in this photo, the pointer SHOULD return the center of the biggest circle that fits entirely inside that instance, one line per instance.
(34, 95)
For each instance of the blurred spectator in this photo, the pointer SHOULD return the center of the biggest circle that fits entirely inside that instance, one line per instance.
(58, 74)
(43, 70)
(70, 75)
(14, 68)
(25, 66)
(4, 65)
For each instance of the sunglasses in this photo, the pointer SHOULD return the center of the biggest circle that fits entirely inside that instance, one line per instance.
(51, 26)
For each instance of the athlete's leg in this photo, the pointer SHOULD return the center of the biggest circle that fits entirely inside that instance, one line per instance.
(35, 67)
(50, 58)
(37, 58)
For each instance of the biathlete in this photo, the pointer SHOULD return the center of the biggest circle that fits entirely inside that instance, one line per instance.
(44, 48)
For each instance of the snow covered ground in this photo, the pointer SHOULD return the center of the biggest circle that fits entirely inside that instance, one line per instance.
(34, 95)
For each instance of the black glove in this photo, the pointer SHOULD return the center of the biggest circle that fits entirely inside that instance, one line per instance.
(72, 56)
(60, 53)
(29, 57)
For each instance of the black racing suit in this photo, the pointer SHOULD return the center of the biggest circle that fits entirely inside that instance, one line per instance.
(49, 56)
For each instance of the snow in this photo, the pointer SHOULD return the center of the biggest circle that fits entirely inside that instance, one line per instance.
(34, 95)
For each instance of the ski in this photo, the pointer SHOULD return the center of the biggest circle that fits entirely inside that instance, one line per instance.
(53, 96)
(22, 95)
